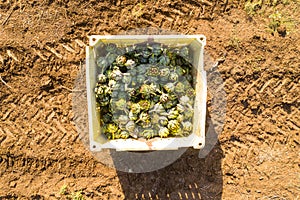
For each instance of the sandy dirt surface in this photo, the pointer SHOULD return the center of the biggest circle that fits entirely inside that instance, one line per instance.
(42, 49)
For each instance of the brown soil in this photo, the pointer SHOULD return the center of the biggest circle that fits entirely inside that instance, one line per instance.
(42, 47)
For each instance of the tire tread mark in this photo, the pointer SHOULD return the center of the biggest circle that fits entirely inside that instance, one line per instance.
(54, 52)
(265, 85)
(12, 55)
(279, 87)
(1, 59)
(37, 52)
(80, 43)
(68, 48)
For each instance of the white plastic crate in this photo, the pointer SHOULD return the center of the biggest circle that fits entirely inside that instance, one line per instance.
(196, 139)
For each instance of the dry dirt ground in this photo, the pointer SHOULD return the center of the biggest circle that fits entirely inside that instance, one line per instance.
(42, 49)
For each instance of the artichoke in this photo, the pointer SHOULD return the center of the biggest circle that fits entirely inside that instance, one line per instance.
(111, 47)
(164, 60)
(163, 132)
(124, 134)
(102, 78)
(173, 125)
(102, 62)
(173, 77)
(148, 133)
(121, 60)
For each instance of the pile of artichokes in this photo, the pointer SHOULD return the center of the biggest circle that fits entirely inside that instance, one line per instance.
(144, 91)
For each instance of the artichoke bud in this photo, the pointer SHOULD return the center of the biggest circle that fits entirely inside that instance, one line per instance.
(190, 92)
(173, 125)
(114, 94)
(144, 117)
(189, 77)
(164, 98)
(111, 47)
(156, 50)
(112, 83)
(124, 134)
(111, 128)
(180, 108)
(153, 59)
(143, 60)
(179, 88)
(180, 71)
(168, 105)
(153, 71)
(145, 124)
(121, 60)
(153, 79)
(145, 91)
(133, 72)
(180, 118)
(116, 135)
(141, 69)
(163, 121)
(111, 57)
(188, 114)
(187, 126)
(164, 60)
(129, 49)
(116, 74)
(145, 54)
(122, 95)
(121, 104)
(106, 118)
(103, 90)
(148, 133)
(155, 118)
(130, 64)
(131, 92)
(123, 119)
(126, 78)
(157, 108)
(132, 116)
(173, 114)
(140, 79)
(173, 76)
(108, 135)
(169, 87)
(177, 132)
(102, 78)
(184, 100)
(135, 108)
(163, 132)
(144, 104)
(164, 73)
(155, 98)
(184, 52)
(130, 126)
(104, 101)
(102, 62)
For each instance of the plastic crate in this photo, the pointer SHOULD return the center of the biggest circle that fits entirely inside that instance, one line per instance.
(196, 139)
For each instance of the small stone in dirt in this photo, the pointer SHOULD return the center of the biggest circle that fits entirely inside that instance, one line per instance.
(46, 83)
(12, 184)
(282, 31)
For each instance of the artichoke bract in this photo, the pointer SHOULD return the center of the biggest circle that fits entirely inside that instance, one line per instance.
(145, 91)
